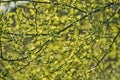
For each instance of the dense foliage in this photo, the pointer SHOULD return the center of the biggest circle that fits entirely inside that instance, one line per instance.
(60, 40)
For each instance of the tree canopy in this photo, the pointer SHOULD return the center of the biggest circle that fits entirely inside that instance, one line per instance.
(60, 40)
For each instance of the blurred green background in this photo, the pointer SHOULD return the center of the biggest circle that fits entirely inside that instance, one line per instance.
(60, 40)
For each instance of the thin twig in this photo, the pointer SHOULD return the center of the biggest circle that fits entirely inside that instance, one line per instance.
(107, 52)
(82, 18)
(11, 60)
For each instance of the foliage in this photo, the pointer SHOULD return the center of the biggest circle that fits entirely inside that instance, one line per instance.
(60, 40)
